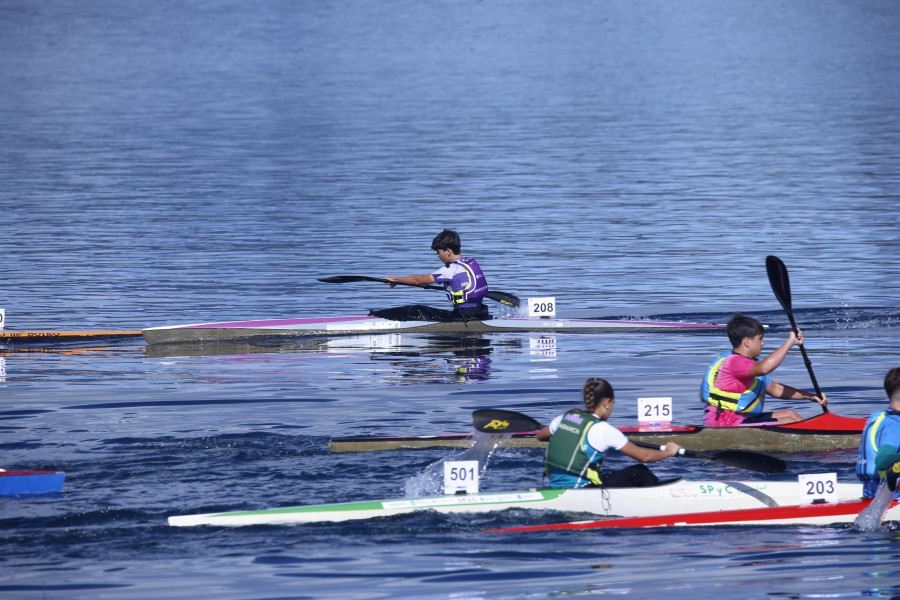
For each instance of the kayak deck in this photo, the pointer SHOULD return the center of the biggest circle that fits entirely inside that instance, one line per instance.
(679, 495)
(817, 434)
(355, 325)
(14, 483)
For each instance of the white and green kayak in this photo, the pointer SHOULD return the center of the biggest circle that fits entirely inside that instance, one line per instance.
(675, 496)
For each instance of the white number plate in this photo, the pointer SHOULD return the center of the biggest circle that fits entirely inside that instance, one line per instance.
(542, 307)
(461, 476)
(818, 487)
(654, 411)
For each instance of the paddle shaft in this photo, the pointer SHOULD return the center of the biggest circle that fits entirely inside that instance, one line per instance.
(501, 297)
(781, 286)
(682, 452)
(507, 421)
(741, 459)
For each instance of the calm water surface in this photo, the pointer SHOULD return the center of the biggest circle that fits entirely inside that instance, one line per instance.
(207, 161)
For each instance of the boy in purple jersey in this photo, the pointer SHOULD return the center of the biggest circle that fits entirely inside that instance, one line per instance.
(465, 284)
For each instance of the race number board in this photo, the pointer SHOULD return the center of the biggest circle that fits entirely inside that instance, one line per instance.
(461, 476)
(654, 411)
(542, 307)
(818, 488)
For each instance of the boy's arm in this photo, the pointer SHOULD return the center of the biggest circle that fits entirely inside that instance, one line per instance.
(786, 392)
(771, 362)
(411, 280)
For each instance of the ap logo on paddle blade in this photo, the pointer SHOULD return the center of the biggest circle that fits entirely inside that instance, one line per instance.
(497, 425)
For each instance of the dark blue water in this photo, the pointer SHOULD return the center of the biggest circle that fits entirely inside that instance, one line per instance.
(206, 161)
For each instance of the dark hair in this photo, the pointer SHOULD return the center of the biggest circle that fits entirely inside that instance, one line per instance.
(892, 381)
(595, 390)
(741, 326)
(446, 239)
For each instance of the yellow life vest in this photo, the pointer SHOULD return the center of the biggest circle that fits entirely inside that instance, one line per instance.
(748, 402)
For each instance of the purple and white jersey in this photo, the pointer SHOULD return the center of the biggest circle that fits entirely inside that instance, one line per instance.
(466, 285)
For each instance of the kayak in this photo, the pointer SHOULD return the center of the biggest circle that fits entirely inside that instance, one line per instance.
(820, 433)
(333, 326)
(679, 495)
(802, 514)
(13, 483)
(19, 337)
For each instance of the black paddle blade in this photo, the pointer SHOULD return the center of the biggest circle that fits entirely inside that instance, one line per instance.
(503, 421)
(778, 279)
(892, 474)
(781, 285)
(348, 279)
(504, 298)
(745, 459)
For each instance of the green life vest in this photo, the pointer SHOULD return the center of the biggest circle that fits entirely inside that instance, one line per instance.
(569, 451)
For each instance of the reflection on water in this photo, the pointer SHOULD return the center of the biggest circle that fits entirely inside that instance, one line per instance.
(418, 357)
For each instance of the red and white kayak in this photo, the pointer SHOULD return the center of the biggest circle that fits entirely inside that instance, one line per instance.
(805, 514)
(235, 331)
(823, 432)
(14, 483)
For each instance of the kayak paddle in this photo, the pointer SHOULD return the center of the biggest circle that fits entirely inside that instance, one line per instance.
(507, 421)
(740, 459)
(497, 420)
(781, 285)
(501, 297)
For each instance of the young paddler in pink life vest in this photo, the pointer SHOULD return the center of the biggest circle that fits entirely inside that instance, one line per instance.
(465, 284)
(579, 440)
(735, 385)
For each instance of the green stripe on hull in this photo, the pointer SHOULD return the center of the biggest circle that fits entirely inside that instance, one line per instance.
(407, 503)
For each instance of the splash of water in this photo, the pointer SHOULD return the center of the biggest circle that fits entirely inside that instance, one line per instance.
(869, 519)
(430, 482)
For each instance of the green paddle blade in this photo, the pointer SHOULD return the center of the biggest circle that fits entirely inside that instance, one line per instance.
(503, 421)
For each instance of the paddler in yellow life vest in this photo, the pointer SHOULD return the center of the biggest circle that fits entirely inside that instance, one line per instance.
(878, 455)
(735, 385)
(579, 440)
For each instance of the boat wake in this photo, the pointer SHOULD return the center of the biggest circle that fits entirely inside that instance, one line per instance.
(857, 319)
